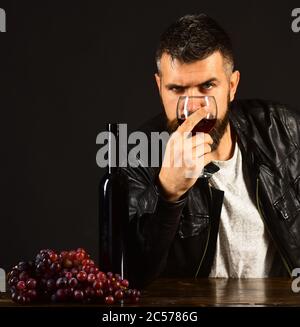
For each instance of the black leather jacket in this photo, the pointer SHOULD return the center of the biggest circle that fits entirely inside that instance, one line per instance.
(178, 239)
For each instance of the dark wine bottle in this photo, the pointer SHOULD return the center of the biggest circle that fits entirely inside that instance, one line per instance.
(113, 210)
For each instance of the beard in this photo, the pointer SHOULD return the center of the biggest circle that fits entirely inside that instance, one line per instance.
(216, 132)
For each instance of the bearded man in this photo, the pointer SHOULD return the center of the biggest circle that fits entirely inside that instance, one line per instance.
(240, 220)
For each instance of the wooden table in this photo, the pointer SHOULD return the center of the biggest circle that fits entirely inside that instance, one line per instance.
(221, 292)
(207, 292)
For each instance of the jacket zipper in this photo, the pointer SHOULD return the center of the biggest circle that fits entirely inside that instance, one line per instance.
(207, 240)
(263, 218)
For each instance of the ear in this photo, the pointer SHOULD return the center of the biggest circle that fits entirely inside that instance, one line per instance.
(234, 82)
(158, 81)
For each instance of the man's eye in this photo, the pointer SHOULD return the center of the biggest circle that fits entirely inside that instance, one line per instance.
(177, 89)
(207, 86)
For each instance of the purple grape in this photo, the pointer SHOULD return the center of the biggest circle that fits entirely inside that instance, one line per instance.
(23, 266)
(78, 295)
(21, 285)
(82, 276)
(109, 300)
(73, 282)
(60, 295)
(119, 295)
(13, 281)
(32, 294)
(51, 284)
(21, 299)
(62, 282)
(31, 283)
(55, 267)
(90, 292)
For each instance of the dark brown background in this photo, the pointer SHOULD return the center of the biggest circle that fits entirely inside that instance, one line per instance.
(67, 69)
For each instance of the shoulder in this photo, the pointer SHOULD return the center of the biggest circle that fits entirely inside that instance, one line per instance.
(268, 124)
(261, 109)
(257, 113)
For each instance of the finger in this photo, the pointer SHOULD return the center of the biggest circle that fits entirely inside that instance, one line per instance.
(202, 138)
(193, 156)
(196, 140)
(191, 121)
(196, 143)
(201, 150)
(179, 139)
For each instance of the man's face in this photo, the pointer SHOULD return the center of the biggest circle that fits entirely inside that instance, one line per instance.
(209, 76)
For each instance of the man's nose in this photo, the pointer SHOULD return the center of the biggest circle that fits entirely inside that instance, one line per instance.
(194, 92)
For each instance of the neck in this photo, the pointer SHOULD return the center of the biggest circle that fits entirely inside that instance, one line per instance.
(225, 149)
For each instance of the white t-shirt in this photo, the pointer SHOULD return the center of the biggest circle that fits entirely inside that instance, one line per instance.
(244, 248)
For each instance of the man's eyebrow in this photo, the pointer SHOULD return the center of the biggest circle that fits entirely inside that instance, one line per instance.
(173, 85)
(180, 86)
(213, 79)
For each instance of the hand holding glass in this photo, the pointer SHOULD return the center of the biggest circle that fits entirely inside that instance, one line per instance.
(187, 105)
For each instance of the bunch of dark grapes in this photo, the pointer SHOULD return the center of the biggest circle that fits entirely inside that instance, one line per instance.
(22, 285)
(67, 276)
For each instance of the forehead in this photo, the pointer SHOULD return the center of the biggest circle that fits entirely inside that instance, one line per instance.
(177, 72)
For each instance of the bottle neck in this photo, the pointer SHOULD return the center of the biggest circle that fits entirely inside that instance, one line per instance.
(113, 147)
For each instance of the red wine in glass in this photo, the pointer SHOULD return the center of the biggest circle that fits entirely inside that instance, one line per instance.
(204, 125)
(187, 105)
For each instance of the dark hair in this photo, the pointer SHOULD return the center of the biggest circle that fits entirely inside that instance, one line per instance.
(192, 38)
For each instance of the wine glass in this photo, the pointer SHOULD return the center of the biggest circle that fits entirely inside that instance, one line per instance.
(187, 105)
